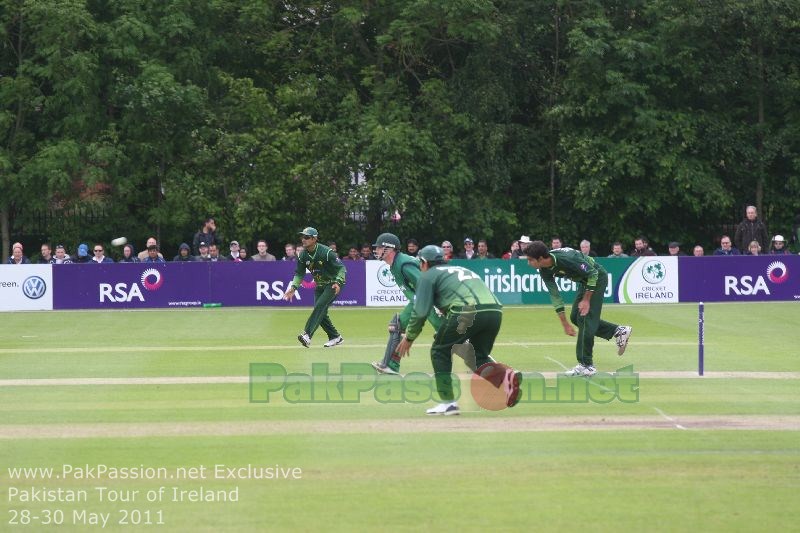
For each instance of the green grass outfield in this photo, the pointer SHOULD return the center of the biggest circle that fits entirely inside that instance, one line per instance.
(718, 453)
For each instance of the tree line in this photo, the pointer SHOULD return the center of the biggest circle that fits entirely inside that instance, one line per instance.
(597, 119)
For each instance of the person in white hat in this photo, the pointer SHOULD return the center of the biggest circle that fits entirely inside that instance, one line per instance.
(778, 246)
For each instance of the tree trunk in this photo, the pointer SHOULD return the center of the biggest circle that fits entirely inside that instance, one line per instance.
(760, 179)
(554, 132)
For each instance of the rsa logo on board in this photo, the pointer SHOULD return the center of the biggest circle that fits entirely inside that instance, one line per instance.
(776, 273)
(151, 280)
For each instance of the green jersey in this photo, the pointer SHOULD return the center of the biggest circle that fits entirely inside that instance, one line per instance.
(324, 265)
(406, 272)
(449, 288)
(573, 265)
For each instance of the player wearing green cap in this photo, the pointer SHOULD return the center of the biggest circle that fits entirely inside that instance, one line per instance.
(329, 274)
(406, 272)
(592, 279)
(465, 300)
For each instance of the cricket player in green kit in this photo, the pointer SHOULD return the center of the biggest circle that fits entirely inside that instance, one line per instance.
(455, 291)
(406, 272)
(592, 279)
(329, 274)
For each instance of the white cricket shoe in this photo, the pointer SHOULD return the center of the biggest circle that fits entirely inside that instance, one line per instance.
(622, 334)
(333, 342)
(304, 339)
(446, 409)
(581, 370)
(380, 369)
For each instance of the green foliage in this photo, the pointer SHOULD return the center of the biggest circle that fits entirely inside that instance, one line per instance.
(591, 119)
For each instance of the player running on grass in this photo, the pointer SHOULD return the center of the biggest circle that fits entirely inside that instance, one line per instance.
(592, 279)
(329, 274)
(456, 292)
(406, 272)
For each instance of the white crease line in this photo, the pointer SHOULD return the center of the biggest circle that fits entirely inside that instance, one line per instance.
(669, 418)
(559, 363)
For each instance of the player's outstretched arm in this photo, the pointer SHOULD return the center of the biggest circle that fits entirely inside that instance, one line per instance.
(568, 329)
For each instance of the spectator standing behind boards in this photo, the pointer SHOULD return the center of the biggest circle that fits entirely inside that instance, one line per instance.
(289, 253)
(61, 258)
(298, 248)
(412, 247)
(243, 254)
(751, 229)
(129, 255)
(698, 251)
(725, 247)
(779, 246)
(641, 247)
(522, 243)
(184, 254)
(513, 249)
(17, 257)
(483, 251)
(153, 256)
(47, 254)
(333, 246)
(213, 253)
(353, 255)
(616, 250)
(586, 248)
(203, 252)
(82, 255)
(263, 254)
(555, 242)
(144, 253)
(753, 248)
(99, 255)
(234, 249)
(207, 234)
(447, 247)
(675, 249)
(366, 251)
(469, 249)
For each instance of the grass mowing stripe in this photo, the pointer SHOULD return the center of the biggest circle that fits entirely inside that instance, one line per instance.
(419, 425)
(228, 347)
(207, 380)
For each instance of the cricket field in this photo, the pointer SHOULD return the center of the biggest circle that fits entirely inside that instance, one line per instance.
(165, 421)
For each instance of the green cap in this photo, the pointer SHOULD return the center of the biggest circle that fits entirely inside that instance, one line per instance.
(310, 232)
(387, 240)
(431, 254)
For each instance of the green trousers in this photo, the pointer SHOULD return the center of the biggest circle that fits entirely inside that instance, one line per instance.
(591, 325)
(481, 335)
(323, 297)
(433, 319)
(405, 315)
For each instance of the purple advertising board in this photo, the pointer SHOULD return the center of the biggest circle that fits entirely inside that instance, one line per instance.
(749, 278)
(257, 283)
(175, 285)
(130, 285)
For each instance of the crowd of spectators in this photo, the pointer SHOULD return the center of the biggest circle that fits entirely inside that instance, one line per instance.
(750, 238)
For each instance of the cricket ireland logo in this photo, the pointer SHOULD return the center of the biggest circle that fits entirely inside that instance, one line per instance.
(385, 276)
(654, 272)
